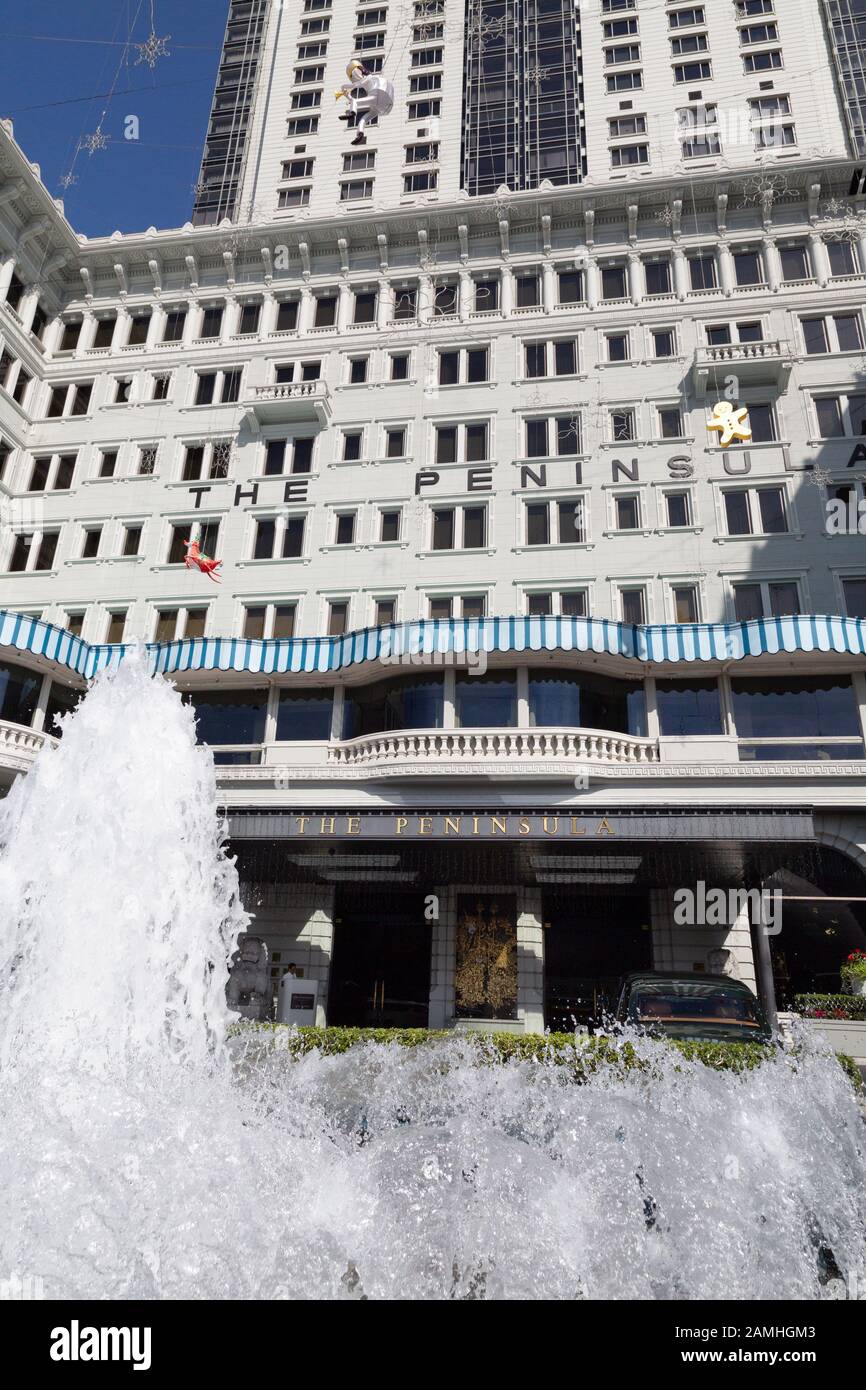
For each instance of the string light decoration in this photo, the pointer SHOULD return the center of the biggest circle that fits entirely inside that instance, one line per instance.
(535, 76)
(153, 47)
(849, 222)
(819, 476)
(759, 186)
(97, 140)
(68, 180)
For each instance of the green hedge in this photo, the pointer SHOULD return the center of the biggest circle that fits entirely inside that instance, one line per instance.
(832, 1006)
(582, 1056)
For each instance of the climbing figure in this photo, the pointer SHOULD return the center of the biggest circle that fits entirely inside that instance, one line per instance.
(196, 561)
(377, 100)
(731, 424)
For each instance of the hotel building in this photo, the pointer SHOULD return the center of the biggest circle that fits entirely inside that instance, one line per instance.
(508, 645)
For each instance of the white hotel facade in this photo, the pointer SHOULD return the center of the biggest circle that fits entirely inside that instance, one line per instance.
(507, 646)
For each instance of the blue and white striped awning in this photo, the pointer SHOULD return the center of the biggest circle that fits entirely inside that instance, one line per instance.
(659, 644)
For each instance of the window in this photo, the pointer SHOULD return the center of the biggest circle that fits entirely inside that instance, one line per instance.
(620, 127)
(356, 190)
(570, 286)
(684, 603)
(424, 181)
(796, 263)
(138, 329)
(658, 277)
(553, 437)
(748, 268)
(147, 460)
(459, 528)
(678, 510)
(161, 385)
(122, 389)
(626, 510)
(172, 624)
(559, 522)
(352, 444)
(268, 621)
(344, 529)
(90, 544)
(622, 425)
(839, 416)
(302, 125)
(835, 333)
(358, 370)
(287, 316)
(463, 365)
(365, 306)
(131, 544)
(689, 708)
(755, 511)
(399, 366)
(626, 156)
(670, 422)
(395, 443)
(104, 334)
(389, 525)
(569, 603)
(854, 592)
(293, 198)
(633, 605)
(702, 272)
(249, 319)
(115, 626)
(70, 337)
(175, 320)
(558, 358)
(778, 599)
(663, 342)
(844, 258)
(817, 713)
(762, 62)
(624, 81)
(214, 388)
(613, 284)
(527, 291)
(617, 347)
(107, 463)
(279, 538)
(422, 153)
(692, 72)
(338, 617)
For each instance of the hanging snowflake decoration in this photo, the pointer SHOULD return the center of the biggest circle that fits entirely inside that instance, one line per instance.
(501, 206)
(665, 215)
(198, 190)
(152, 50)
(819, 476)
(851, 221)
(98, 140)
(756, 189)
(535, 76)
(68, 180)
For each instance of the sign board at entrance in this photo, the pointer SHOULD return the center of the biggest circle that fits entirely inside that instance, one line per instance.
(522, 825)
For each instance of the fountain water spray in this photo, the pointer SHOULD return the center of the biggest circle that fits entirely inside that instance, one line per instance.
(143, 1157)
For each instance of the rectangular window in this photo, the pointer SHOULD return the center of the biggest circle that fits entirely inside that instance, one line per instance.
(390, 526)
(678, 509)
(356, 190)
(633, 604)
(702, 272)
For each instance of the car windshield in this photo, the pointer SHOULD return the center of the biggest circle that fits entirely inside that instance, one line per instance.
(671, 1003)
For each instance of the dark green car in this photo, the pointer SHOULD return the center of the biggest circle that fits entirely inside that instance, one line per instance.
(705, 1008)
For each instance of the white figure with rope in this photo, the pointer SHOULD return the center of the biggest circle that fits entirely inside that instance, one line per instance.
(377, 98)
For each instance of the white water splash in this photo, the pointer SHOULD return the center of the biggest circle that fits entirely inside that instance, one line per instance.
(140, 1158)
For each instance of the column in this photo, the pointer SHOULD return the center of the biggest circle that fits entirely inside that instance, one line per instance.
(337, 713)
(681, 273)
(726, 269)
(861, 243)
(192, 327)
(344, 307)
(652, 713)
(820, 261)
(523, 697)
(530, 960)
(155, 328)
(231, 319)
(121, 328)
(635, 288)
(7, 267)
(27, 307)
(38, 721)
(548, 287)
(443, 948)
(449, 712)
(425, 299)
(506, 290)
(384, 304)
(268, 320)
(464, 296)
(305, 311)
(592, 284)
(772, 265)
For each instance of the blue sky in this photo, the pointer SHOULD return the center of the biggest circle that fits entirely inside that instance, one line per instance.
(55, 52)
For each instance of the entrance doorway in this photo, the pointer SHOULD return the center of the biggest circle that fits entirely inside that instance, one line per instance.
(590, 942)
(380, 973)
